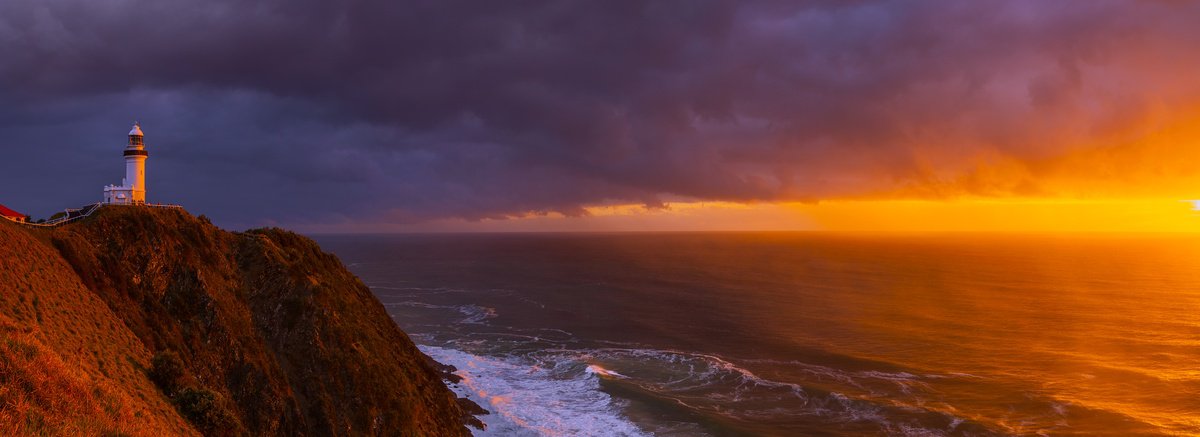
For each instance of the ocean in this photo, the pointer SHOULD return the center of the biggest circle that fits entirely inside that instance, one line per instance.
(792, 334)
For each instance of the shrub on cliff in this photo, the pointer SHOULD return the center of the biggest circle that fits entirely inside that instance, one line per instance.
(205, 409)
(166, 370)
(285, 340)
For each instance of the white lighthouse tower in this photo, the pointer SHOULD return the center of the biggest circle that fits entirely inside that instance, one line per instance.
(132, 190)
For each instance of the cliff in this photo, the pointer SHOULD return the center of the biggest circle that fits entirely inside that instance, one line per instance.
(148, 321)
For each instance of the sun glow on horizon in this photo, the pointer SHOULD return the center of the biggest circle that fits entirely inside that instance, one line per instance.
(966, 215)
(1029, 215)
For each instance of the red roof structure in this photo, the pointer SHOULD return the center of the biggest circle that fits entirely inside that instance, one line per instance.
(4, 211)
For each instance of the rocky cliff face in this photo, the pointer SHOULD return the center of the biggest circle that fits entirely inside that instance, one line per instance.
(198, 329)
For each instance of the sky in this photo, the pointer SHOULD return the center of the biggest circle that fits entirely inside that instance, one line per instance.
(409, 116)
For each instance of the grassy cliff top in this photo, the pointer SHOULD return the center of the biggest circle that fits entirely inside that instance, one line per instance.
(270, 334)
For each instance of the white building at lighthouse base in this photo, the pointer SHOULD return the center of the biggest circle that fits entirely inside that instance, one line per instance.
(123, 194)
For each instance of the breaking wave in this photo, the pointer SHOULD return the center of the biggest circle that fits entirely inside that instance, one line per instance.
(565, 392)
(529, 400)
(474, 314)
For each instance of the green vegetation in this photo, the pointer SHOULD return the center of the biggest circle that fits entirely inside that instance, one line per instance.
(206, 409)
(257, 333)
(41, 395)
(166, 370)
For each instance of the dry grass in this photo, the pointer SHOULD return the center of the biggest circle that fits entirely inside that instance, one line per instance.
(68, 365)
(274, 336)
(42, 395)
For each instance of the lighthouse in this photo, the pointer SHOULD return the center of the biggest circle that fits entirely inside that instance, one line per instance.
(132, 190)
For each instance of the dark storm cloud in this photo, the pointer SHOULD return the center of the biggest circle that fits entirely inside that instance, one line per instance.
(403, 111)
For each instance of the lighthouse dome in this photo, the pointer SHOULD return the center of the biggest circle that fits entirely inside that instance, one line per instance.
(137, 130)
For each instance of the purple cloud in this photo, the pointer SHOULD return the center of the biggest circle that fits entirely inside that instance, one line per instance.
(406, 111)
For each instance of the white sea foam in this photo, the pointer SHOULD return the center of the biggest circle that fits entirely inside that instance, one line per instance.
(528, 400)
(713, 384)
(558, 392)
(551, 390)
(476, 314)
(417, 305)
(414, 291)
(597, 370)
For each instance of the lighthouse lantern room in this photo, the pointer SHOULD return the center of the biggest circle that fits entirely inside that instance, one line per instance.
(132, 190)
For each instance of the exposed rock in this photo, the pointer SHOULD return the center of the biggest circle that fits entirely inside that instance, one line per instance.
(274, 336)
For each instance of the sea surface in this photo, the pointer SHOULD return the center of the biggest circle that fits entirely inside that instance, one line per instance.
(791, 334)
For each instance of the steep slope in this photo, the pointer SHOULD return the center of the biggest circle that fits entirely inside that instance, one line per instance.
(68, 365)
(174, 282)
(321, 320)
(248, 333)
